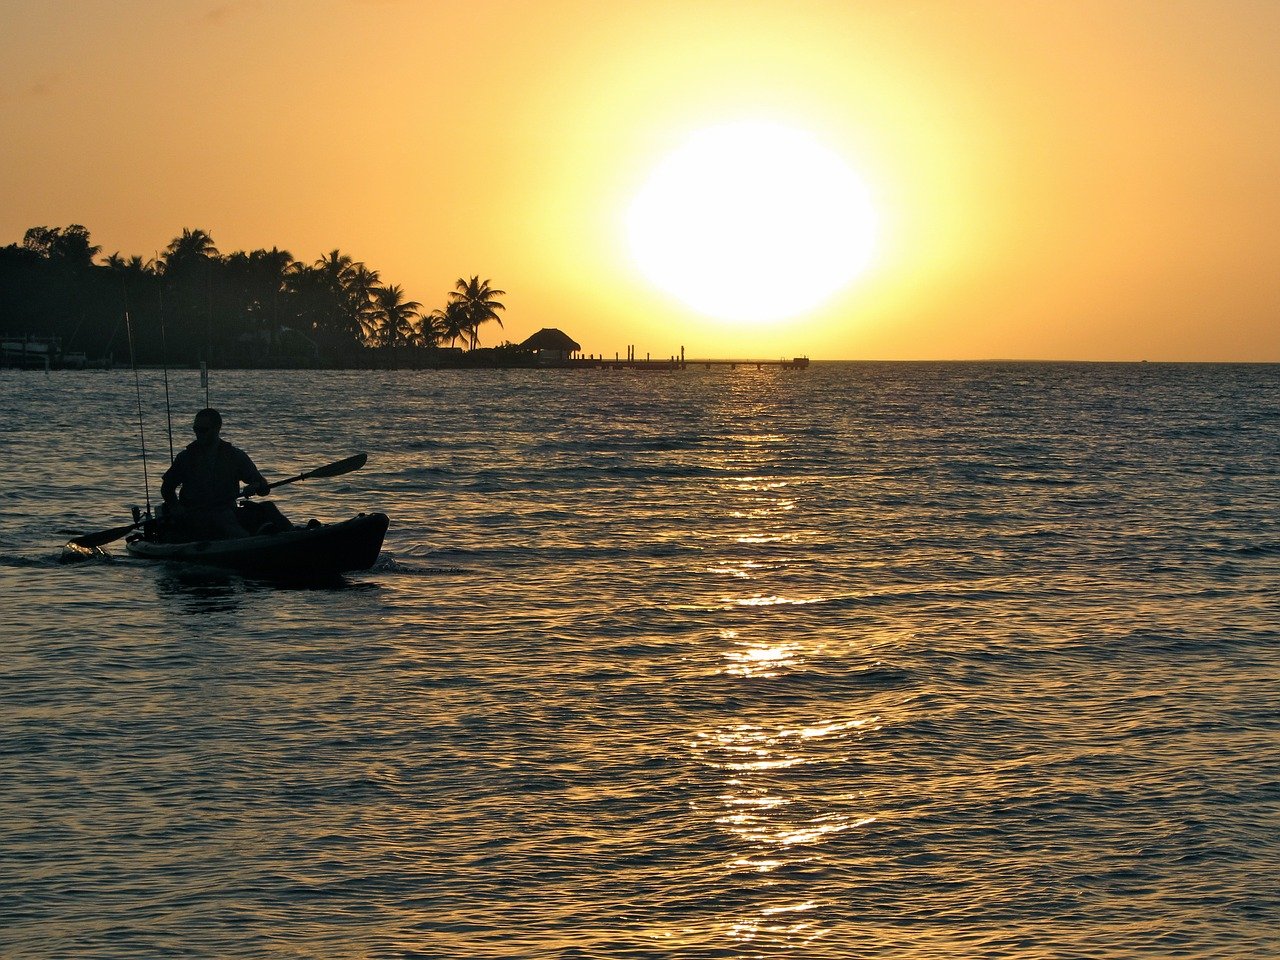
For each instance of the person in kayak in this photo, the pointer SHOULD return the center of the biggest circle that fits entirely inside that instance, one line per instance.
(201, 487)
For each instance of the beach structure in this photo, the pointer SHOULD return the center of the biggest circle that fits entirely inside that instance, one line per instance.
(550, 345)
(632, 361)
(28, 352)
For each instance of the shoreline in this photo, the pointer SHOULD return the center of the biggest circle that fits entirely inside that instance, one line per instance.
(641, 365)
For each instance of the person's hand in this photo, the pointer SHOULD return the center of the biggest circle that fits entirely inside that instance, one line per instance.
(257, 489)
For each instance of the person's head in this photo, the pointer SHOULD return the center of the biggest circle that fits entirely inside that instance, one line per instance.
(206, 426)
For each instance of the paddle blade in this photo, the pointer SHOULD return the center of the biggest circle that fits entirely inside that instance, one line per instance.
(342, 466)
(72, 553)
(332, 470)
(101, 538)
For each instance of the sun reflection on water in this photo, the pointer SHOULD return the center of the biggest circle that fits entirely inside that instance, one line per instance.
(773, 923)
(776, 828)
(755, 659)
(774, 601)
(757, 513)
(758, 484)
(740, 569)
(765, 538)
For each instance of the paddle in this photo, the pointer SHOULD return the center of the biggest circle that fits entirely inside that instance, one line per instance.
(102, 537)
(332, 470)
(90, 540)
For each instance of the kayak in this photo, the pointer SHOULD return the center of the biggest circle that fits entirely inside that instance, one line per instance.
(299, 553)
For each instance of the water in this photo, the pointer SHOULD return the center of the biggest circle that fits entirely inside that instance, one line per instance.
(870, 660)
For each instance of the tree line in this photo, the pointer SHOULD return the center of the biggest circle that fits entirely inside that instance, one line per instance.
(250, 307)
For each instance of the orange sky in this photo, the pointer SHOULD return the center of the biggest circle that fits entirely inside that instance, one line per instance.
(1073, 180)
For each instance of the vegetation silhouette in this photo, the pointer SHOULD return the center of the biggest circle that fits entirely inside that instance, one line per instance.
(478, 305)
(247, 308)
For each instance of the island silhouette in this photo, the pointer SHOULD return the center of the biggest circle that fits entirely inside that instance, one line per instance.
(192, 304)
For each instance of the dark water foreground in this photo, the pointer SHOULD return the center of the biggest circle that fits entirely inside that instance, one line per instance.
(902, 660)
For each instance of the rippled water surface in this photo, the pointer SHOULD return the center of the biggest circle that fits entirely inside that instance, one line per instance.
(869, 660)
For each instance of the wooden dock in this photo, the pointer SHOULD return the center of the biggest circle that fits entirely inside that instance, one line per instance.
(631, 362)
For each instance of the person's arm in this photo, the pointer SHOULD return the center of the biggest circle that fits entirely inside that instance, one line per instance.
(255, 485)
(172, 480)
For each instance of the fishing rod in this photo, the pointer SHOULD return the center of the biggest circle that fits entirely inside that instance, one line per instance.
(208, 335)
(137, 382)
(164, 362)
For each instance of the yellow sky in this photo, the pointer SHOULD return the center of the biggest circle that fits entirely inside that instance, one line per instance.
(1075, 180)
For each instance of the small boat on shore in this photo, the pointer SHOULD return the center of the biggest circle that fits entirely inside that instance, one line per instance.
(316, 551)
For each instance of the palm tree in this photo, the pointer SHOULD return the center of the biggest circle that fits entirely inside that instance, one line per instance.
(395, 316)
(256, 281)
(189, 264)
(132, 273)
(352, 286)
(192, 246)
(327, 281)
(432, 329)
(451, 322)
(476, 296)
(337, 267)
(361, 301)
(311, 303)
(272, 265)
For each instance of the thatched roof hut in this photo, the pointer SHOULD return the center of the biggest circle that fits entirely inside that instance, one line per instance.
(551, 344)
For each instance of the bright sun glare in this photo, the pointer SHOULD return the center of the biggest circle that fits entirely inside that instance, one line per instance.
(752, 221)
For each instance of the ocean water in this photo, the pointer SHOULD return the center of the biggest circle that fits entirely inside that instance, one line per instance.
(868, 660)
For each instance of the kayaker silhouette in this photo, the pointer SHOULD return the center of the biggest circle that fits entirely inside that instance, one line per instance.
(201, 487)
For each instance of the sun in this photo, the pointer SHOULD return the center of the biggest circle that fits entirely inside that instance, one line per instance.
(752, 222)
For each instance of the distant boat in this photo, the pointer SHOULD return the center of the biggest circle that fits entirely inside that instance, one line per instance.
(28, 353)
(38, 353)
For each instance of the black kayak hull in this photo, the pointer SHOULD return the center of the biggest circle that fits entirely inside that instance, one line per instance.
(297, 554)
